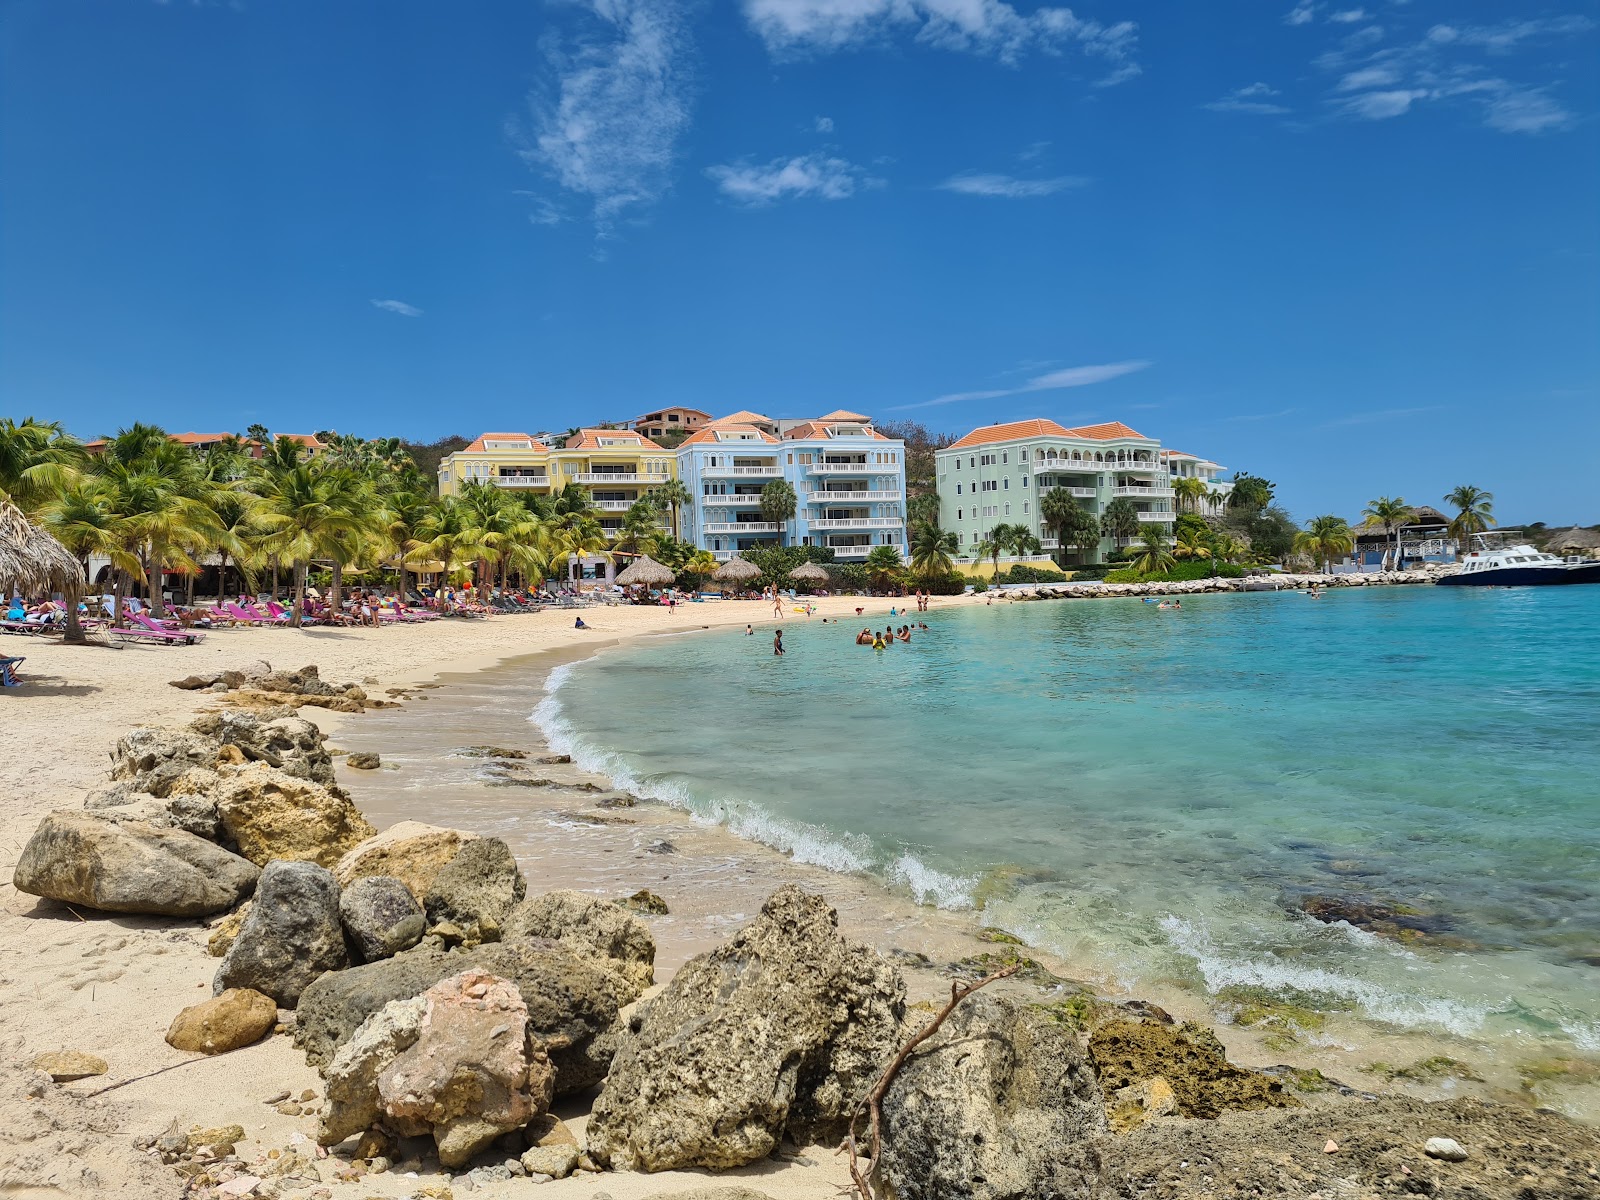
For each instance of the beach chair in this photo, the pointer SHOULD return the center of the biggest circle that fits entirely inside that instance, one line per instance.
(8, 671)
(169, 629)
(241, 616)
(25, 628)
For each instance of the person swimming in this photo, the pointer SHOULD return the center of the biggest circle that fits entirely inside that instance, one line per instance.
(877, 642)
(905, 633)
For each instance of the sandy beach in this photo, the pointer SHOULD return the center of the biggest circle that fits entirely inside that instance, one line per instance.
(110, 985)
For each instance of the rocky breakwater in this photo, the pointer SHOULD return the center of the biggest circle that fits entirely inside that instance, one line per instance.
(1095, 590)
(260, 687)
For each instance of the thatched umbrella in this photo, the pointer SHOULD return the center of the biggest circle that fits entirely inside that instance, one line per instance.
(35, 563)
(736, 570)
(647, 571)
(809, 573)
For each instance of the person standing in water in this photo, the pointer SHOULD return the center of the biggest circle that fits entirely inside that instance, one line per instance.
(777, 641)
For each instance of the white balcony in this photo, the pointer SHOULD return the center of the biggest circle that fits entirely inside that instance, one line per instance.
(741, 527)
(850, 468)
(857, 523)
(769, 472)
(850, 551)
(1083, 493)
(847, 498)
(1161, 518)
(1069, 466)
(718, 501)
(1153, 493)
(520, 481)
(593, 477)
(621, 506)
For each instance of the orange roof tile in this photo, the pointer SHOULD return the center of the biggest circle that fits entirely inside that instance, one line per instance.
(477, 446)
(1010, 431)
(1106, 431)
(589, 439)
(743, 417)
(842, 415)
(709, 434)
(823, 428)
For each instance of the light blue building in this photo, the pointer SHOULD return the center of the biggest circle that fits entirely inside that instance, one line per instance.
(849, 482)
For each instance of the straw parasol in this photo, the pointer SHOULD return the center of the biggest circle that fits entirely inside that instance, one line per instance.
(809, 572)
(647, 571)
(736, 570)
(31, 560)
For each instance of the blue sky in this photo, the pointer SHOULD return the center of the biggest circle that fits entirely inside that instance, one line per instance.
(1355, 248)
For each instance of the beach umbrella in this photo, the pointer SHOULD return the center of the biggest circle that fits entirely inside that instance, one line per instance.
(810, 573)
(647, 571)
(31, 560)
(736, 570)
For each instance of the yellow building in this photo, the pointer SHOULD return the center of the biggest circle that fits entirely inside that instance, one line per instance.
(517, 461)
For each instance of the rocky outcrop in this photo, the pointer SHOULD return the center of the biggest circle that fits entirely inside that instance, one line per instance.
(775, 1033)
(271, 815)
(292, 935)
(165, 762)
(458, 1062)
(381, 917)
(292, 745)
(998, 1105)
(130, 866)
(363, 760)
(589, 926)
(572, 1003)
(191, 812)
(412, 852)
(237, 1017)
(476, 890)
(1189, 1058)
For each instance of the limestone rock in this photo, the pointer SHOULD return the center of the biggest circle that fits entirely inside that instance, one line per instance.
(64, 1066)
(237, 1017)
(555, 1161)
(189, 811)
(412, 852)
(1135, 1104)
(587, 925)
(998, 1105)
(776, 1032)
(130, 866)
(457, 1062)
(1191, 1060)
(291, 936)
(646, 901)
(362, 760)
(165, 762)
(572, 1003)
(1444, 1149)
(381, 917)
(273, 815)
(476, 889)
(226, 930)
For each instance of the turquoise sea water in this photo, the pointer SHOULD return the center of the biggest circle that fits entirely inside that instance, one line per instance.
(1152, 792)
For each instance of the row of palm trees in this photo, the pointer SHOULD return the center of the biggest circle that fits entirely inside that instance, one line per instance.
(153, 507)
(1329, 537)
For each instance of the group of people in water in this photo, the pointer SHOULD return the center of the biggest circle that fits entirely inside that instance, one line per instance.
(882, 639)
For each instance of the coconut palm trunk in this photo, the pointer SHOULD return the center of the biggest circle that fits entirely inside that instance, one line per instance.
(300, 569)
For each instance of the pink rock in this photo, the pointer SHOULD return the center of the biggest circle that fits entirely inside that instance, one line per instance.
(473, 1073)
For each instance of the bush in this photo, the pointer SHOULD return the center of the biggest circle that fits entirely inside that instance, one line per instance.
(950, 585)
(979, 587)
(1091, 571)
(1182, 573)
(1025, 574)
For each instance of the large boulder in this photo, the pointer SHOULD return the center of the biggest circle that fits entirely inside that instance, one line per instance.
(477, 889)
(191, 812)
(589, 926)
(458, 1062)
(292, 935)
(272, 815)
(572, 1003)
(778, 1032)
(998, 1105)
(412, 852)
(130, 866)
(381, 916)
(292, 745)
(238, 1017)
(165, 762)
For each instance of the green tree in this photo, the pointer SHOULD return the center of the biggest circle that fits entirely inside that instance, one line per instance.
(883, 564)
(1001, 540)
(1326, 538)
(1388, 513)
(932, 551)
(1250, 493)
(778, 503)
(1071, 523)
(311, 512)
(84, 519)
(672, 496)
(1191, 543)
(1190, 492)
(923, 509)
(1120, 520)
(1152, 557)
(1474, 514)
(37, 462)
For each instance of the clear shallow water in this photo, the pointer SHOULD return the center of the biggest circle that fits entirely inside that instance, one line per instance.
(1149, 793)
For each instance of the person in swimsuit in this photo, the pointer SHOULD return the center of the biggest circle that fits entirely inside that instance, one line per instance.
(777, 641)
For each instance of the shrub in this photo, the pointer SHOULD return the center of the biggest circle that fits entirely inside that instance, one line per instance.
(950, 585)
(1025, 574)
(1091, 571)
(979, 587)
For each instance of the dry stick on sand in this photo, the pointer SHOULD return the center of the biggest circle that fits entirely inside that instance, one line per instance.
(873, 1100)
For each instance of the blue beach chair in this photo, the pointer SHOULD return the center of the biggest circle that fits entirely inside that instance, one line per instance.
(8, 672)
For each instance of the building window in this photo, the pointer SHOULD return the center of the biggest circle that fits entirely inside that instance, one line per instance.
(1024, 508)
(1007, 483)
(958, 489)
(958, 464)
(1005, 456)
(1022, 456)
(1008, 510)
(1024, 481)
(958, 514)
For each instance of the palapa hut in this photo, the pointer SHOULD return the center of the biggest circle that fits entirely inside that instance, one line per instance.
(1576, 540)
(809, 573)
(737, 571)
(648, 572)
(32, 563)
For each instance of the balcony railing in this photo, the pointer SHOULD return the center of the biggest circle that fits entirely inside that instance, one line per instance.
(1068, 466)
(588, 477)
(520, 481)
(770, 472)
(850, 551)
(842, 497)
(858, 523)
(714, 501)
(1140, 490)
(613, 505)
(741, 527)
(849, 468)
(1165, 518)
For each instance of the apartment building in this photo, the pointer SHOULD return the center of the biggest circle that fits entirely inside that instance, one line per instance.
(667, 421)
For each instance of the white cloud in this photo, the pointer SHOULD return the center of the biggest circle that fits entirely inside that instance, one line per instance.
(1369, 77)
(1068, 377)
(1525, 111)
(818, 175)
(824, 124)
(1505, 37)
(1301, 14)
(1380, 106)
(1348, 16)
(990, 27)
(607, 126)
(1007, 187)
(1251, 99)
(398, 306)
(1386, 414)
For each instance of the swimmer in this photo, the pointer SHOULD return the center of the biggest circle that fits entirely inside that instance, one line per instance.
(864, 638)
(749, 631)
(777, 641)
(877, 642)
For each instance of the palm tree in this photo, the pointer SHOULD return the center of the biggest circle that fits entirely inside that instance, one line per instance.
(401, 520)
(1001, 540)
(1153, 556)
(1072, 524)
(312, 512)
(932, 551)
(1324, 539)
(699, 567)
(883, 563)
(1021, 541)
(37, 461)
(672, 496)
(83, 518)
(1474, 514)
(1192, 544)
(1251, 493)
(1120, 519)
(1389, 513)
(641, 528)
(575, 536)
(1189, 491)
(778, 503)
(923, 509)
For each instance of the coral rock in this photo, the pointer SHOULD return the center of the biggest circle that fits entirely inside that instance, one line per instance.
(273, 815)
(238, 1017)
(292, 935)
(381, 916)
(412, 852)
(589, 926)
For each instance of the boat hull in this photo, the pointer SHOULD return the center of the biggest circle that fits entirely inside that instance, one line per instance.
(1584, 573)
(1511, 577)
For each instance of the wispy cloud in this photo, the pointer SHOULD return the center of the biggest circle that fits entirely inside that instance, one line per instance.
(1507, 36)
(988, 27)
(1386, 414)
(606, 125)
(819, 175)
(1256, 98)
(1068, 377)
(824, 125)
(1348, 16)
(1300, 14)
(398, 306)
(1009, 188)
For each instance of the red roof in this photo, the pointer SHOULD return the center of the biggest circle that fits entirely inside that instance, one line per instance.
(477, 446)
(1012, 431)
(589, 439)
(709, 434)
